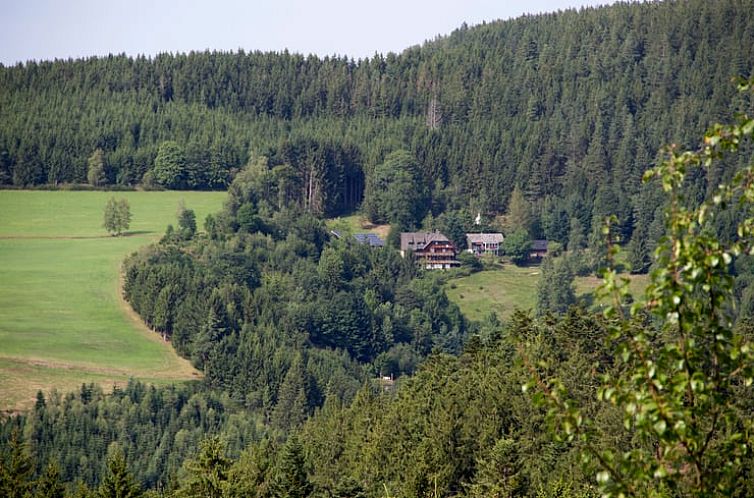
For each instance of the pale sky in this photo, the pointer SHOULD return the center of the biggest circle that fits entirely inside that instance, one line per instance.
(49, 29)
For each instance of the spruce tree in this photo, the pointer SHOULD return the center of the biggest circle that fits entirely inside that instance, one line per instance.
(555, 291)
(95, 174)
(207, 474)
(519, 213)
(49, 485)
(118, 481)
(292, 477)
(16, 468)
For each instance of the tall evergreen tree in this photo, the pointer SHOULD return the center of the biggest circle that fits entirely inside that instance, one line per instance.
(206, 475)
(49, 485)
(16, 468)
(555, 290)
(519, 214)
(118, 481)
(292, 478)
(95, 173)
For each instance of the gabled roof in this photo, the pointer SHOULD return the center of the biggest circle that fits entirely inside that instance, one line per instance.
(484, 238)
(419, 240)
(369, 238)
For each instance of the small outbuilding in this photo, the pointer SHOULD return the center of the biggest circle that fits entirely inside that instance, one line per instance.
(538, 249)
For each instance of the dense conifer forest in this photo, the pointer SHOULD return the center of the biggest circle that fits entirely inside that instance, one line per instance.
(571, 106)
(332, 368)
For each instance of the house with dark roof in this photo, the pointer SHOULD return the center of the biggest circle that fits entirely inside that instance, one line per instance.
(538, 249)
(484, 243)
(369, 239)
(433, 249)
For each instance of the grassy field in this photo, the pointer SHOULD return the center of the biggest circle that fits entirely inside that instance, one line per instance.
(356, 223)
(509, 287)
(62, 318)
(501, 290)
(636, 286)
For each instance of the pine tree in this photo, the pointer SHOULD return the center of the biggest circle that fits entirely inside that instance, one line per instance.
(519, 211)
(555, 291)
(292, 404)
(576, 238)
(16, 469)
(292, 477)
(497, 472)
(118, 481)
(49, 485)
(251, 475)
(207, 474)
(95, 174)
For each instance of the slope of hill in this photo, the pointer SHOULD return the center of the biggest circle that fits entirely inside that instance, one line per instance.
(62, 319)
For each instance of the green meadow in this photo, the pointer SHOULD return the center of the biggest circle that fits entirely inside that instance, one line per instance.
(357, 223)
(502, 290)
(62, 319)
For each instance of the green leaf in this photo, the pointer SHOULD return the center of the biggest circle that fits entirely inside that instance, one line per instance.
(660, 426)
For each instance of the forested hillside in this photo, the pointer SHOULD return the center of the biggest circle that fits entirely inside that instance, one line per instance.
(335, 369)
(570, 106)
(279, 316)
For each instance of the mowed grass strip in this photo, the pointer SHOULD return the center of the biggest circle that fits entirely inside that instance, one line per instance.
(62, 319)
(503, 290)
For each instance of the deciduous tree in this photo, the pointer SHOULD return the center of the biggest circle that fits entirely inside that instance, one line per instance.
(170, 166)
(117, 216)
(397, 192)
(517, 246)
(186, 222)
(683, 381)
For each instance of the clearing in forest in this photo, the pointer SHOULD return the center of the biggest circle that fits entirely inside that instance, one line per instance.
(63, 321)
(508, 287)
(357, 223)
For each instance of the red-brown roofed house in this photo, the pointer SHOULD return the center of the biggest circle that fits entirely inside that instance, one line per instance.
(433, 249)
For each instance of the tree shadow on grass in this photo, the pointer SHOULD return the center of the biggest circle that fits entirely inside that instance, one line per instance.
(136, 233)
